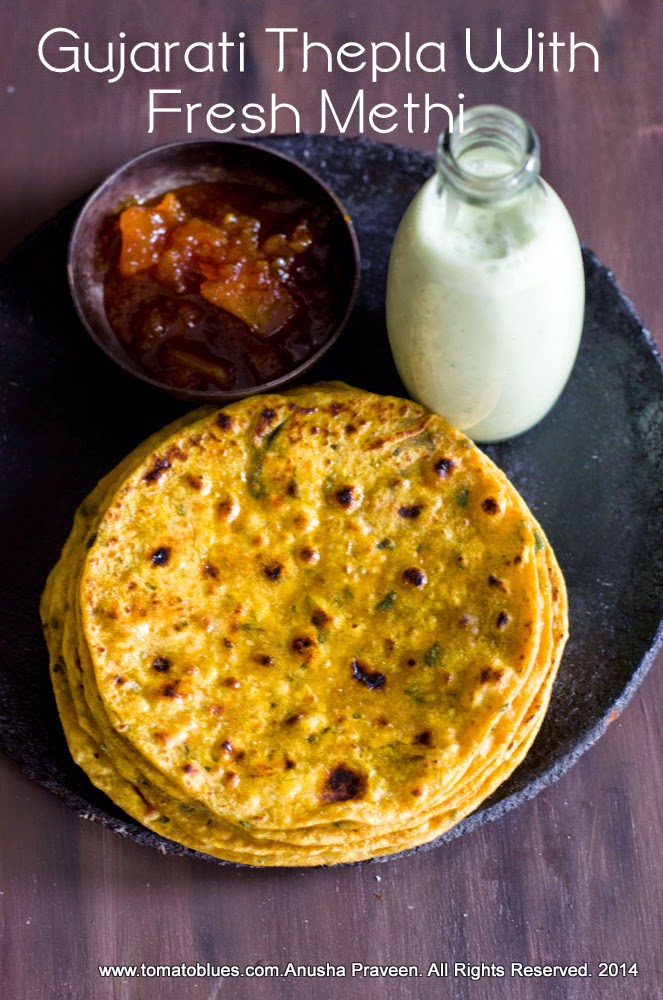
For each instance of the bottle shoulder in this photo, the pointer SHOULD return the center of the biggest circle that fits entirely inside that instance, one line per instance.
(437, 221)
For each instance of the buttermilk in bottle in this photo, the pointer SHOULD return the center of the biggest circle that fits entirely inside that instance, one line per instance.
(485, 291)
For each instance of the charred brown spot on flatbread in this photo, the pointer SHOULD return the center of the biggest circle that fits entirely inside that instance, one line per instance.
(304, 646)
(490, 505)
(415, 577)
(226, 509)
(372, 679)
(273, 570)
(309, 555)
(342, 784)
(347, 497)
(320, 618)
(410, 511)
(162, 463)
(444, 467)
(491, 675)
(265, 420)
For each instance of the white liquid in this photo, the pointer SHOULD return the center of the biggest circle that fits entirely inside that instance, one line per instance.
(485, 307)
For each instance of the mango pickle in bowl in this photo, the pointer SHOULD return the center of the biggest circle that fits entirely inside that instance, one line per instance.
(214, 269)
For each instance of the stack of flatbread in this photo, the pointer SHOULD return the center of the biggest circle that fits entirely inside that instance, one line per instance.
(309, 628)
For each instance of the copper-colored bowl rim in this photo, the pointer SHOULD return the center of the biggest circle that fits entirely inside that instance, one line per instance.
(87, 293)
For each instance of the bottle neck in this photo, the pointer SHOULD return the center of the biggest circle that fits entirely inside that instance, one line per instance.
(494, 159)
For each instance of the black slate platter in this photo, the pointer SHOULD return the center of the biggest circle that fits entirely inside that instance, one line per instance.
(591, 471)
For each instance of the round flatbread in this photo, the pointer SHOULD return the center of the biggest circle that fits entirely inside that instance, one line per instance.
(309, 628)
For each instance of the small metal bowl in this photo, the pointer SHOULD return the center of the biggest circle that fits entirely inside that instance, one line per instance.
(168, 167)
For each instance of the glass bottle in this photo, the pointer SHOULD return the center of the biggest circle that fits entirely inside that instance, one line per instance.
(485, 291)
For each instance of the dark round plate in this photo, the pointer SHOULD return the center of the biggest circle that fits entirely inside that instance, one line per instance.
(591, 471)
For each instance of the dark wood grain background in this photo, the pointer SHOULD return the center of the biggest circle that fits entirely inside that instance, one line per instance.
(574, 875)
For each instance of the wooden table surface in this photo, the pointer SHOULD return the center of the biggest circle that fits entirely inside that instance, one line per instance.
(574, 875)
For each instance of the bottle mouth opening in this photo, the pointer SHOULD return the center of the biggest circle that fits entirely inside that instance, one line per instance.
(495, 157)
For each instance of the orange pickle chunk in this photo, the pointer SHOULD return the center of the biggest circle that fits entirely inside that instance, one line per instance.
(219, 285)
